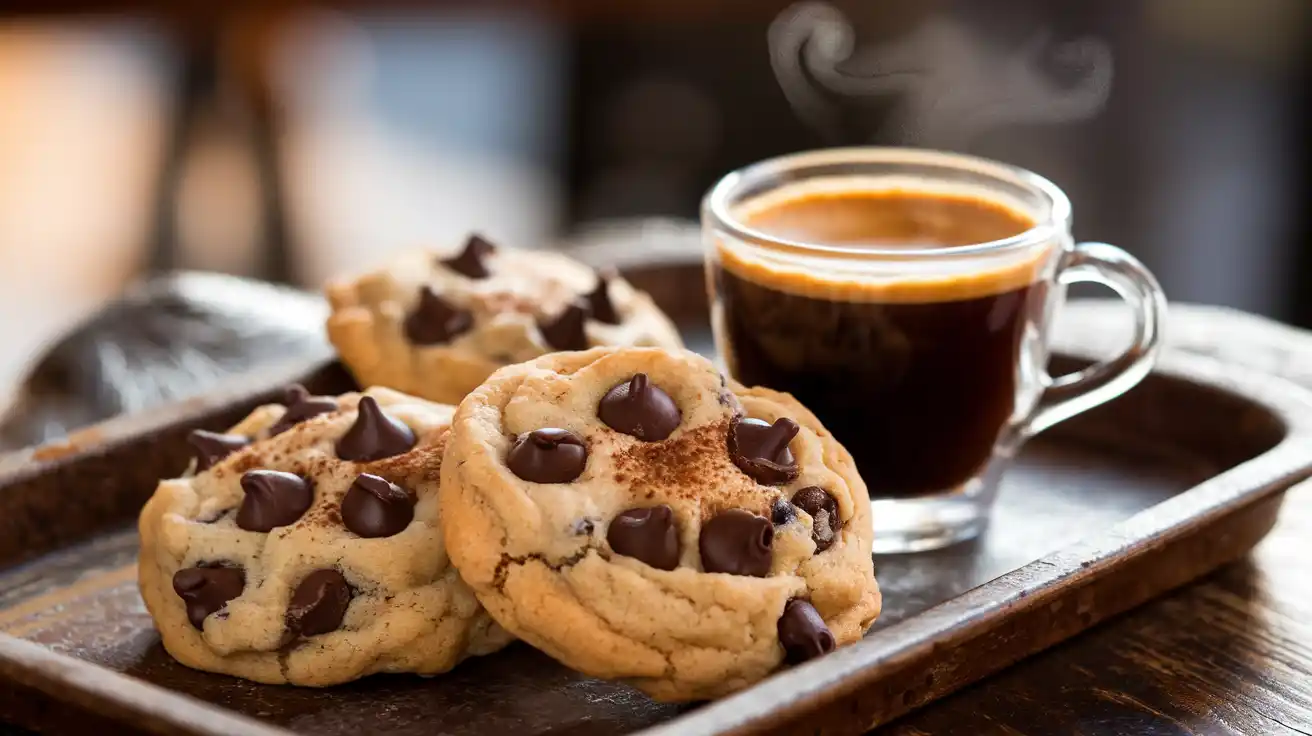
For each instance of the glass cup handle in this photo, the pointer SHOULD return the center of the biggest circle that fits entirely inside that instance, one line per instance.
(1065, 396)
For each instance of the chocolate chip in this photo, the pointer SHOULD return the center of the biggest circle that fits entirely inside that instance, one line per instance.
(207, 589)
(211, 447)
(471, 261)
(761, 450)
(318, 604)
(548, 456)
(803, 633)
(638, 408)
(374, 435)
(565, 332)
(737, 542)
(603, 310)
(435, 320)
(273, 499)
(782, 512)
(301, 406)
(374, 507)
(826, 522)
(726, 397)
(294, 394)
(647, 535)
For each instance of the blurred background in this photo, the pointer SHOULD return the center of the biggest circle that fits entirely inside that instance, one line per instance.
(291, 141)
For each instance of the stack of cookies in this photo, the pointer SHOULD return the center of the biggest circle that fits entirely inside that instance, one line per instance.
(599, 493)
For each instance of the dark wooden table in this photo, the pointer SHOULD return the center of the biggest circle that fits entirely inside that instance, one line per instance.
(1231, 654)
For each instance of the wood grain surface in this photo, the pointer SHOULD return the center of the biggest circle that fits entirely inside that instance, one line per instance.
(1229, 655)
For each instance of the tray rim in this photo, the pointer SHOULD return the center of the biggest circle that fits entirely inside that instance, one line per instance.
(790, 693)
(786, 694)
(20, 464)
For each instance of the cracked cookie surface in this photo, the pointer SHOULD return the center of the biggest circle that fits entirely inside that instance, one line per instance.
(636, 517)
(437, 324)
(303, 546)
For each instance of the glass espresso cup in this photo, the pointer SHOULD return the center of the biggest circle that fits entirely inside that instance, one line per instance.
(905, 296)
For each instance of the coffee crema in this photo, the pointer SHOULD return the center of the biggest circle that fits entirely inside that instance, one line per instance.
(914, 372)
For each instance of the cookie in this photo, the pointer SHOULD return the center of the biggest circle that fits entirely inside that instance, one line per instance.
(437, 325)
(637, 517)
(302, 546)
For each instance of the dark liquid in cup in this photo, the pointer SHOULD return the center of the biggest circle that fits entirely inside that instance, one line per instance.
(916, 383)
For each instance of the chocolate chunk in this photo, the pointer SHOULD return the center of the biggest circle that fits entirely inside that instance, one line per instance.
(207, 589)
(435, 320)
(374, 435)
(603, 310)
(761, 450)
(301, 406)
(782, 512)
(803, 633)
(273, 499)
(737, 542)
(638, 408)
(726, 397)
(472, 261)
(294, 394)
(647, 535)
(548, 456)
(565, 332)
(318, 604)
(374, 507)
(826, 522)
(211, 447)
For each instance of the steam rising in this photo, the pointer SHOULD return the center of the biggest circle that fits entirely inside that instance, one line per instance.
(948, 85)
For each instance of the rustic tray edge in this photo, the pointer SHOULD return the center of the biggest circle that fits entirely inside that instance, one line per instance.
(824, 680)
(786, 698)
(118, 696)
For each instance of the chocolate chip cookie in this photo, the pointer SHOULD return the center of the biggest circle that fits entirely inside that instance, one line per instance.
(437, 325)
(303, 546)
(635, 516)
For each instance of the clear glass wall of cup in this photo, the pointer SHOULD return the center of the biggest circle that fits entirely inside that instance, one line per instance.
(928, 363)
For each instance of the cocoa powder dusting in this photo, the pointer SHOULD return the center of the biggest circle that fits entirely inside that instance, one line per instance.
(243, 462)
(694, 466)
(424, 460)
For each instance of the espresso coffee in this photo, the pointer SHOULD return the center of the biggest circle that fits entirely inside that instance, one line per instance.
(915, 377)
